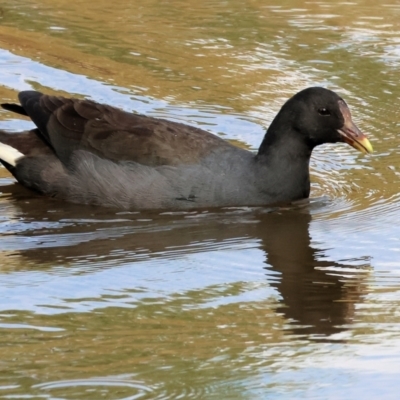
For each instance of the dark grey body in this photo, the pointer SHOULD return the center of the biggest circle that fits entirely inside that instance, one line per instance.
(235, 179)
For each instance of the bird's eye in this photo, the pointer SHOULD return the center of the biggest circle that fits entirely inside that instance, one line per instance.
(323, 111)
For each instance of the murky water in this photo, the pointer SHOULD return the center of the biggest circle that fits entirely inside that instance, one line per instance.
(233, 303)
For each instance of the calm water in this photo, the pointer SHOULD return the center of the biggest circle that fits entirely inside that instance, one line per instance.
(216, 304)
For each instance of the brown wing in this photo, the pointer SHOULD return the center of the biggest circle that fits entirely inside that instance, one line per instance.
(71, 124)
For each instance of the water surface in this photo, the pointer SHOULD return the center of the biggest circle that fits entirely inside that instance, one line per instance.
(232, 303)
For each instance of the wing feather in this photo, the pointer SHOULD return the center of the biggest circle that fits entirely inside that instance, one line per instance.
(72, 124)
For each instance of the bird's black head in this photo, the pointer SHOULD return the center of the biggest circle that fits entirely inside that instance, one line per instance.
(316, 116)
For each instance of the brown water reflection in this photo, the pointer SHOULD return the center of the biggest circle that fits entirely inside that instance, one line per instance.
(317, 296)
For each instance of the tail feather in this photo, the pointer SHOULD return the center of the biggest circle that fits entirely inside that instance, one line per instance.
(9, 154)
(14, 108)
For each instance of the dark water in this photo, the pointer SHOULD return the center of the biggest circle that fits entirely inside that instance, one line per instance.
(231, 303)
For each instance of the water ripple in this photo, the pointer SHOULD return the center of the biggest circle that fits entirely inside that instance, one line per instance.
(104, 386)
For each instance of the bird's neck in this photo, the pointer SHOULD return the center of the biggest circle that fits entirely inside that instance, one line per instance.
(283, 159)
(285, 144)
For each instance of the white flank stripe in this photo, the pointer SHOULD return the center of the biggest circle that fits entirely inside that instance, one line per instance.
(9, 154)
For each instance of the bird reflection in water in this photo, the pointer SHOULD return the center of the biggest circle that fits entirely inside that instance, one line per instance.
(317, 296)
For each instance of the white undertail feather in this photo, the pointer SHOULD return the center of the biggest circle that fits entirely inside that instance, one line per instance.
(9, 154)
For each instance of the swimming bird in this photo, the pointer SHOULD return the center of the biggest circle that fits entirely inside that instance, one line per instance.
(90, 153)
